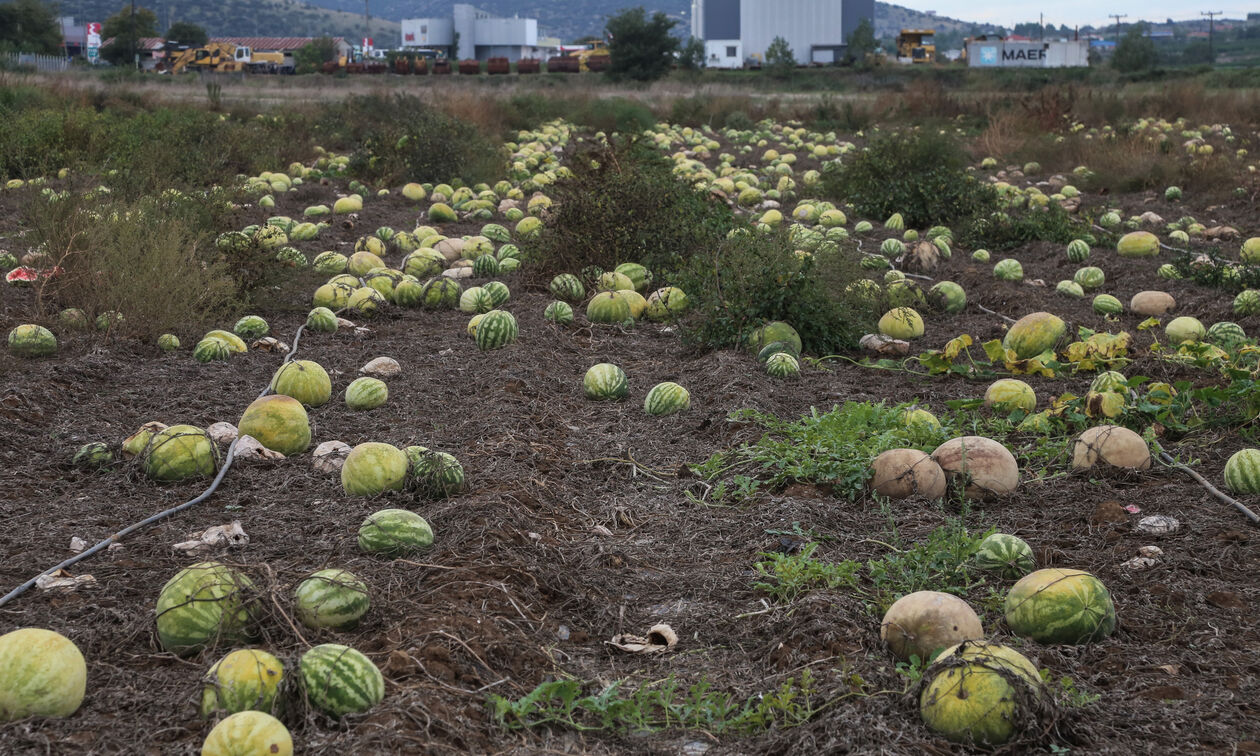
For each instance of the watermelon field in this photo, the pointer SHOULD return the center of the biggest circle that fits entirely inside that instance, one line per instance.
(737, 438)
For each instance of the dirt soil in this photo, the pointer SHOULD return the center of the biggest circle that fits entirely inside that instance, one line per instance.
(577, 526)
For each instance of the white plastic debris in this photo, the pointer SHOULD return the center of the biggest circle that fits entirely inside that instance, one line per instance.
(77, 545)
(330, 456)
(248, 449)
(270, 344)
(458, 273)
(343, 323)
(1158, 525)
(1151, 551)
(659, 638)
(231, 535)
(222, 433)
(382, 367)
(62, 580)
(1138, 563)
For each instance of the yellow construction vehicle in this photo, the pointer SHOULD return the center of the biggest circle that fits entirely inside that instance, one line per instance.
(223, 57)
(596, 49)
(916, 46)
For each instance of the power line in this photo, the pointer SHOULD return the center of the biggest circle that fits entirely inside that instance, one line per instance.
(1117, 17)
(1211, 30)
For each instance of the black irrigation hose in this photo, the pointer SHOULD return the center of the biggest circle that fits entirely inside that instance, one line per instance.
(116, 537)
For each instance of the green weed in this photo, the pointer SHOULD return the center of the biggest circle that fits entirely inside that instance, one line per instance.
(787, 576)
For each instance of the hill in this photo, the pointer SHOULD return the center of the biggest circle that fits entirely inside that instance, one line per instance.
(247, 18)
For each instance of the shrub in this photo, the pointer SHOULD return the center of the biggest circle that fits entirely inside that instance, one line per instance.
(642, 48)
(920, 175)
(623, 204)
(747, 280)
(1007, 230)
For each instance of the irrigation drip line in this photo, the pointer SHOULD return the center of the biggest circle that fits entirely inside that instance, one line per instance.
(1255, 519)
(116, 537)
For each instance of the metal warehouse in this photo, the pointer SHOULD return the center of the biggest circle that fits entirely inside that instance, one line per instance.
(739, 31)
(473, 33)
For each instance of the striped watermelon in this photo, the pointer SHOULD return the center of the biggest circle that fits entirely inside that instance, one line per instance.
(473, 322)
(485, 266)
(874, 262)
(235, 343)
(333, 296)
(207, 350)
(605, 381)
(567, 287)
(243, 680)
(366, 393)
(1168, 271)
(1078, 250)
(508, 252)
(607, 307)
(371, 468)
(441, 294)
(981, 255)
(498, 292)
(496, 330)
(1184, 329)
(666, 398)
(321, 320)
(1090, 277)
(1110, 380)
(1242, 472)
(1060, 606)
(1137, 244)
(394, 531)
(408, 293)
(33, 341)
(333, 598)
(1105, 304)
(279, 422)
(559, 312)
(1070, 288)
(339, 680)
(665, 304)
(639, 276)
(475, 299)
(771, 332)
(168, 342)
(773, 348)
(1006, 555)
(892, 248)
(948, 296)
(248, 733)
(203, 604)
(1008, 270)
(330, 262)
(251, 327)
(424, 262)
(178, 453)
(42, 674)
(1247, 302)
(1226, 334)
(782, 365)
(1033, 334)
(365, 301)
(435, 474)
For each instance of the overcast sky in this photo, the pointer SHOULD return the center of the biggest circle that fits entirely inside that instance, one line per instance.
(1074, 12)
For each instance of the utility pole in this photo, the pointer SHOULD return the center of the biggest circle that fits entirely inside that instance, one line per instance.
(135, 59)
(1117, 17)
(1041, 26)
(1211, 32)
(367, 24)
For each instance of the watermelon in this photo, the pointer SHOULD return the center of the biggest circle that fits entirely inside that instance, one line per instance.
(248, 733)
(666, 398)
(330, 262)
(605, 381)
(1034, 334)
(1060, 606)
(978, 693)
(1009, 395)
(771, 332)
(1249, 253)
(1226, 334)
(42, 674)
(903, 293)
(665, 304)
(440, 294)
(1070, 288)
(233, 243)
(321, 320)
(1105, 304)
(333, 599)
(394, 532)
(773, 348)
(473, 322)
(234, 343)
(334, 296)
(365, 301)
(168, 342)
(1110, 380)
(948, 296)
(901, 323)
(1242, 472)
(639, 276)
(270, 238)
(496, 330)
(1138, 244)
(892, 248)
(485, 266)
(178, 453)
(93, 456)
(339, 680)
(1078, 251)
(921, 419)
(606, 307)
(874, 262)
(511, 252)
(384, 280)
(1089, 277)
(1247, 302)
(423, 263)
(475, 300)
(408, 293)
(981, 256)
(1005, 555)
(435, 474)
(895, 223)
(364, 261)
(202, 605)
(559, 312)
(244, 680)
(498, 293)
(32, 341)
(73, 317)
(305, 381)
(1184, 329)
(495, 232)
(1008, 270)
(862, 227)
(372, 468)
(783, 365)
(1168, 271)
(366, 393)
(279, 422)
(613, 281)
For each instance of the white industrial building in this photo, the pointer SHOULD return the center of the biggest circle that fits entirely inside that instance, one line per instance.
(473, 33)
(1019, 53)
(736, 32)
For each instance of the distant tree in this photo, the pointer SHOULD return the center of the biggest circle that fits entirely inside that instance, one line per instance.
(691, 55)
(127, 32)
(29, 26)
(187, 33)
(1135, 51)
(642, 48)
(312, 56)
(1197, 52)
(455, 46)
(780, 61)
(861, 45)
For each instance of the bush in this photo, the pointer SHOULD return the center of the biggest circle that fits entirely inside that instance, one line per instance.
(623, 204)
(642, 48)
(998, 231)
(750, 279)
(920, 175)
